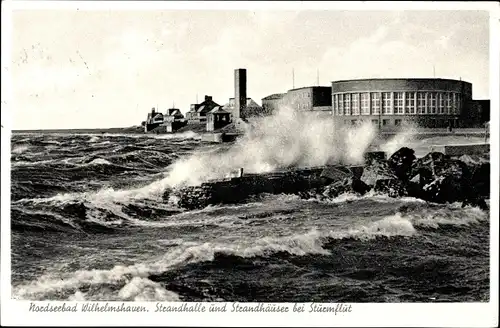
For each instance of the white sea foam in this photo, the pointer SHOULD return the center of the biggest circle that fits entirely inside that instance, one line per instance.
(183, 135)
(100, 161)
(106, 142)
(25, 163)
(350, 197)
(77, 296)
(19, 149)
(448, 216)
(142, 290)
(53, 142)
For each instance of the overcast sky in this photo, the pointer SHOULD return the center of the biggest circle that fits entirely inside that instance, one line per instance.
(91, 69)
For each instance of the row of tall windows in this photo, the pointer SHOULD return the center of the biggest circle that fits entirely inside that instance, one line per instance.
(388, 103)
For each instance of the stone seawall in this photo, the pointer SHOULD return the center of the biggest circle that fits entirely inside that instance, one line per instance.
(235, 190)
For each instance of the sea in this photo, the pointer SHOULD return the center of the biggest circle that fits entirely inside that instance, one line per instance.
(90, 222)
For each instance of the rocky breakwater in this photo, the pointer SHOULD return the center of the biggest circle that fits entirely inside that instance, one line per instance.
(435, 177)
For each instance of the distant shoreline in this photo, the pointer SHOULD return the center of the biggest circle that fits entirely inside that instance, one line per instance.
(129, 130)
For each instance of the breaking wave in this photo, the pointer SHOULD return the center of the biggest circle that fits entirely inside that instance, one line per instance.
(132, 283)
(288, 138)
(99, 161)
(19, 149)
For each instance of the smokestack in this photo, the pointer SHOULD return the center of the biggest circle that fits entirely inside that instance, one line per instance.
(240, 91)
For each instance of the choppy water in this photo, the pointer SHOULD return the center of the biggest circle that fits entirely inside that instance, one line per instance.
(89, 223)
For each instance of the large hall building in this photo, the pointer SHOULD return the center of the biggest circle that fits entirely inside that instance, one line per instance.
(389, 103)
(427, 102)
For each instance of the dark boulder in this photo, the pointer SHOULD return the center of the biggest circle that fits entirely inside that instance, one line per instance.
(442, 179)
(477, 187)
(450, 182)
(480, 179)
(342, 179)
(413, 189)
(432, 157)
(392, 176)
(377, 170)
(346, 185)
(391, 187)
(357, 171)
(401, 163)
(424, 176)
(374, 156)
(434, 162)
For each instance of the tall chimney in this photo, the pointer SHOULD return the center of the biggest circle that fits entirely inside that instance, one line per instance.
(240, 91)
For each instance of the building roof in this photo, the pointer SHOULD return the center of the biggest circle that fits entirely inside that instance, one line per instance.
(218, 110)
(402, 79)
(152, 118)
(206, 105)
(174, 112)
(250, 103)
(170, 111)
(311, 87)
(274, 96)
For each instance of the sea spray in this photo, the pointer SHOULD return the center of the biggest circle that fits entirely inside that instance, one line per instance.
(288, 138)
(403, 138)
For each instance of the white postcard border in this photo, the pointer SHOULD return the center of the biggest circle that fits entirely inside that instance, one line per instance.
(366, 314)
